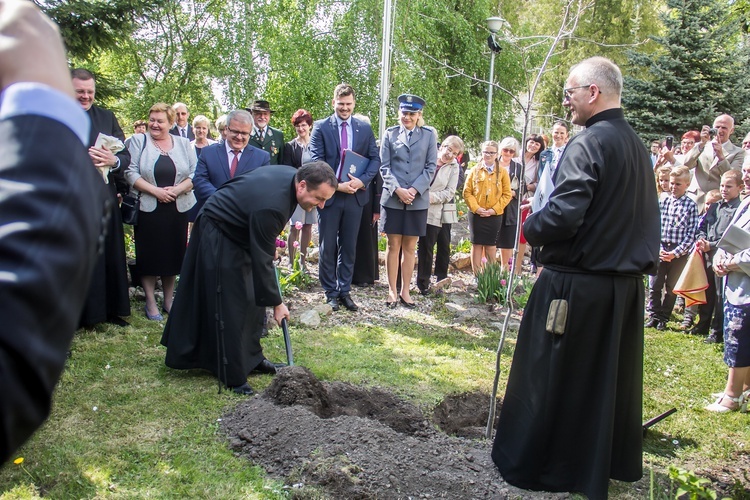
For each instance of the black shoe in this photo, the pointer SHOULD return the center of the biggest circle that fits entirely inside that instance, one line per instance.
(334, 303)
(263, 332)
(243, 389)
(266, 367)
(651, 323)
(697, 331)
(116, 320)
(426, 292)
(346, 301)
(661, 325)
(714, 338)
(391, 305)
(410, 305)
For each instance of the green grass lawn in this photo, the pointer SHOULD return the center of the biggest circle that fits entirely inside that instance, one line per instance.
(125, 426)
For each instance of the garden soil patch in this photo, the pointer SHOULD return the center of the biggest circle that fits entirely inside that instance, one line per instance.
(353, 442)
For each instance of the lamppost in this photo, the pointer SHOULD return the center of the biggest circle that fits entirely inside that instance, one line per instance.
(493, 24)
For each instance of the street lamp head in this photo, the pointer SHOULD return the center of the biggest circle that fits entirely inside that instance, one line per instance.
(495, 23)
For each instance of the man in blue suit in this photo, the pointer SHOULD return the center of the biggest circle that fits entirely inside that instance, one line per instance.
(338, 222)
(215, 165)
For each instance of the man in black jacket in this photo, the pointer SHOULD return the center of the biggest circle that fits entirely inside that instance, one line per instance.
(52, 203)
(571, 416)
(228, 276)
(108, 298)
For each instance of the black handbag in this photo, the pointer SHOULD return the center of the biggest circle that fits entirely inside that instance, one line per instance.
(129, 209)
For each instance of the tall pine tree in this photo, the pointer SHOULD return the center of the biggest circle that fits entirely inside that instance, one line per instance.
(698, 71)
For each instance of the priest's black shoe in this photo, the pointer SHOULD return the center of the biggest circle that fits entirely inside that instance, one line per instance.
(346, 301)
(265, 366)
(334, 303)
(651, 322)
(661, 325)
(243, 389)
(116, 320)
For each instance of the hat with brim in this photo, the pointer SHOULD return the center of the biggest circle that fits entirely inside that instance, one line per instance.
(260, 105)
(410, 102)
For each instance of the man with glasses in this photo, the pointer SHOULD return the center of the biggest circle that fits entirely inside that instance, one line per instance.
(713, 155)
(223, 161)
(181, 125)
(264, 136)
(571, 416)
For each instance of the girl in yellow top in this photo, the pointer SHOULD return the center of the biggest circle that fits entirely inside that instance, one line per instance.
(487, 193)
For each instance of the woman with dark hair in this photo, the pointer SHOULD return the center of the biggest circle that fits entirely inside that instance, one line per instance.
(295, 154)
(161, 174)
(534, 147)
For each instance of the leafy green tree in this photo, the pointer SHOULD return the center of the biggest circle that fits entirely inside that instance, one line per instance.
(604, 28)
(88, 27)
(699, 70)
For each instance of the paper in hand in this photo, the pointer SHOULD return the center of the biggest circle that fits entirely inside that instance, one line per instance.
(110, 143)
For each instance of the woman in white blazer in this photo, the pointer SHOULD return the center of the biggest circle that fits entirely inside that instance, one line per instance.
(442, 191)
(161, 173)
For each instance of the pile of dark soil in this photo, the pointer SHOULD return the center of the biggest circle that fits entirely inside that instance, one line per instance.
(350, 442)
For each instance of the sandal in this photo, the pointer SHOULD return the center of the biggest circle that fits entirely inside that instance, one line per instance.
(720, 408)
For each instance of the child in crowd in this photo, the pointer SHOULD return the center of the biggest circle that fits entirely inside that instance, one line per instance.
(679, 220)
(662, 183)
(691, 312)
(710, 229)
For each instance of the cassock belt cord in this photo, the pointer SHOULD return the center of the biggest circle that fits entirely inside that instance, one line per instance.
(221, 355)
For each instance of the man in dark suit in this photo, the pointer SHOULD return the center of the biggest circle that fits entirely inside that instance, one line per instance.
(228, 276)
(338, 222)
(181, 125)
(217, 165)
(266, 137)
(108, 298)
(52, 204)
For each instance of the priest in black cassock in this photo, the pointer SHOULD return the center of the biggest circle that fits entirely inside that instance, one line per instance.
(571, 416)
(108, 298)
(228, 276)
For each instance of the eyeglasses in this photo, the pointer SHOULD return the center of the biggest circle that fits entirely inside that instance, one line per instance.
(567, 94)
(507, 150)
(489, 153)
(238, 133)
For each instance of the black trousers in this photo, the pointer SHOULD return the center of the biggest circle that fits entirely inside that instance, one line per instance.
(443, 256)
(667, 273)
(424, 256)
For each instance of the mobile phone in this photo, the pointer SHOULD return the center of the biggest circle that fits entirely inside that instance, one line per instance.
(669, 140)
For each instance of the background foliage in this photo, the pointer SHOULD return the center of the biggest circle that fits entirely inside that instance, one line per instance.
(685, 59)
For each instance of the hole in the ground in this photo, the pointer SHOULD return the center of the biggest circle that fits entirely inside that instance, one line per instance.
(463, 415)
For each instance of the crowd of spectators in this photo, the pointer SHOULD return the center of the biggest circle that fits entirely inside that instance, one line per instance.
(407, 192)
(703, 185)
